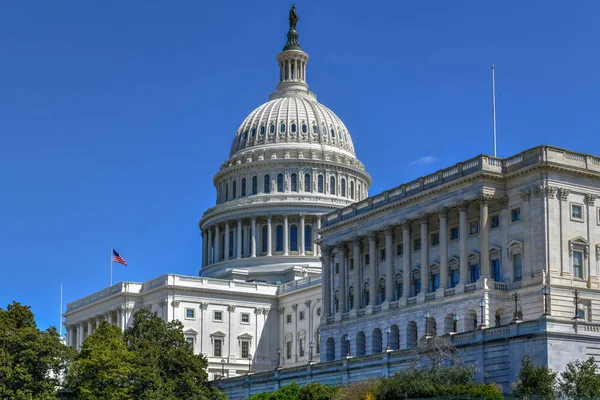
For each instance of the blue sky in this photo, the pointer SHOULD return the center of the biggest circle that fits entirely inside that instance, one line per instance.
(114, 116)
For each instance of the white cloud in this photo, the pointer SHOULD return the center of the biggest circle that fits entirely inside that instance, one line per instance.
(425, 160)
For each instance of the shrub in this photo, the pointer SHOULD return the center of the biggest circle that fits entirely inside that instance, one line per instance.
(534, 381)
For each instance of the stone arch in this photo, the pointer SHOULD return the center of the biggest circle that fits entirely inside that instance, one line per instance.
(430, 327)
(411, 334)
(330, 349)
(394, 343)
(449, 323)
(361, 344)
(376, 341)
(345, 345)
(500, 317)
(470, 323)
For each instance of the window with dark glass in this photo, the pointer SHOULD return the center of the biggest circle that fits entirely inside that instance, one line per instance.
(494, 221)
(496, 270)
(254, 184)
(399, 289)
(332, 133)
(435, 282)
(282, 128)
(279, 238)
(265, 238)
(352, 190)
(234, 191)
(454, 277)
(515, 214)
(416, 286)
(435, 239)
(217, 347)
(245, 348)
(267, 184)
(304, 128)
(320, 183)
(518, 266)
(474, 227)
(416, 244)
(400, 249)
(245, 135)
(253, 133)
(576, 211)
(293, 128)
(262, 130)
(294, 238)
(231, 244)
(272, 128)
(288, 350)
(454, 233)
(294, 182)
(280, 183)
(307, 238)
(315, 129)
(343, 184)
(307, 187)
(243, 187)
(332, 185)
(578, 264)
(382, 254)
(367, 259)
(474, 273)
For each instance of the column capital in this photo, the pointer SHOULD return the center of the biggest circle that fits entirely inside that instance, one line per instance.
(285, 217)
(294, 307)
(503, 202)
(265, 311)
(203, 306)
(253, 219)
(281, 309)
(269, 217)
(526, 194)
(424, 218)
(442, 212)
(258, 310)
(307, 303)
(484, 198)
(551, 191)
(175, 303)
(327, 251)
(302, 216)
(239, 221)
(462, 205)
(590, 199)
(357, 240)
(389, 230)
(405, 224)
(342, 247)
(231, 308)
(372, 235)
(564, 193)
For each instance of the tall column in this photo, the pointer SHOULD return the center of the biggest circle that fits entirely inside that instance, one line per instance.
(239, 238)
(317, 247)
(253, 239)
(98, 320)
(109, 317)
(269, 237)
(358, 283)
(389, 263)
(90, 328)
(209, 255)
(463, 244)
(424, 218)
(217, 243)
(204, 247)
(302, 238)
(246, 240)
(79, 334)
(443, 217)
(484, 240)
(286, 245)
(406, 269)
(342, 280)
(372, 268)
(227, 244)
(326, 281)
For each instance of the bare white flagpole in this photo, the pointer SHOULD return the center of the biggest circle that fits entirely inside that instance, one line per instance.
(60, 314)
(111, 262)
(494, 106)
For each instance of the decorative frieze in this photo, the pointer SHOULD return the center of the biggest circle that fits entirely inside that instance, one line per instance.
(484, 198)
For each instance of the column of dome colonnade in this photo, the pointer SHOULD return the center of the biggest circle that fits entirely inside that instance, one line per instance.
(261, 236)
(78, 331)
(394, 263)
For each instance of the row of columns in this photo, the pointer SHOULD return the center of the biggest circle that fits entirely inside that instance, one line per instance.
(79, 331)
(299, 68)
(442, 214)
(211, 240)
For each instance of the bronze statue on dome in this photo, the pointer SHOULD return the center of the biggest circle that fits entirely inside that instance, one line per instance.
(293, 18)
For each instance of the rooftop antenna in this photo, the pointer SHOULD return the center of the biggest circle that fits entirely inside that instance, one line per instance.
(494, 106)
(60, 313)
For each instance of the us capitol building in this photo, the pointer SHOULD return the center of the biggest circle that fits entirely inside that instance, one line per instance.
(306, 278)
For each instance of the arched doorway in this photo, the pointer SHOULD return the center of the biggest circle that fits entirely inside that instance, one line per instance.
(376, 341)
(394, 343)
(361, 344)
(330, 349)
(411, 334)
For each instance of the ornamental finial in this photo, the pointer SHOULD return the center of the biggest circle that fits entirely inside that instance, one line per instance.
(292, 36)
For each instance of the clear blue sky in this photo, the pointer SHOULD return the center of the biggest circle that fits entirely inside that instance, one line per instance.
(115, 115)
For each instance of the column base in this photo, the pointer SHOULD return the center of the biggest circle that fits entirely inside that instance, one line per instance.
(440, 293)
(421, 297)
(353, 313)
(402, 301)
(385, 305)
(369, 309)
(338, 316)
(483, 283)
(459, 288)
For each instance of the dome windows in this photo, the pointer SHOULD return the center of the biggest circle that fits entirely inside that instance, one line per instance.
(307, 183)
(332, 133)
(280, 183)
(262, 130)
(294, 182)
(267, 184)
(293, 126)
(320, 184)
(272, 129)
(332, 185)
(282, 128)
(253, 132)
(315, 129)
(245, 135)
(324, 130)
(304, 128)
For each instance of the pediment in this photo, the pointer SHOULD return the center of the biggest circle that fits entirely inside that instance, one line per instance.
(218, 334)
(495, 249)
(245, 336)
(515, 243)
(473, 256)
(579, 240)
(190, 331)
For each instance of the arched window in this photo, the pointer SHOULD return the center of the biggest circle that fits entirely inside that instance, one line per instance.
(265, 238)
(243, 187)
(352, 190)
(230, 244)
(308, 238)
(307, 187)
(293, 238)
(332, 185)
(262, 130)
(293, 127)
(272, 129)
(245, 135)
(339, 134)
(267, 184)
(280, 183)
(324, 130)
(332, 133)
(282, 128)
(315, 129)
(320, 183)
(253, 132)
(304, 128)
(294, 182)
(234, 190)
(226, 192)
(343, 187)
(254, 184)
(279, 238)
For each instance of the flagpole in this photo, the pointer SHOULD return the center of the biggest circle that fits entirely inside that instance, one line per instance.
(111, 262)
(494, 106)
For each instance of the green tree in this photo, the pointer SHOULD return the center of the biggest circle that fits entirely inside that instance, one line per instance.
(166, 367)
(579, 379)
(317, 391)
(534, 381)
(31, 360)
(104, 367)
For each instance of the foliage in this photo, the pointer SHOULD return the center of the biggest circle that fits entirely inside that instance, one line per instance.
(312, 391)
(366, 390)
(579, 379)
(534, 381)
(436, 351)
(31, 360)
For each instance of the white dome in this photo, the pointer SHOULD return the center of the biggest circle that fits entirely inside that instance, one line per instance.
(297, 118)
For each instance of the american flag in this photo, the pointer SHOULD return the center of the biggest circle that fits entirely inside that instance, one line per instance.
(118, 259)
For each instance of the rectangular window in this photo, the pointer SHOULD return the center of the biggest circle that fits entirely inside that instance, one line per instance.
(435, 238)
(245, 348)
(218, 316)
(496, 270)
(190, 313)
(474, 273)
(301, 316)
(576, 212)
(454, 233)
(494, 221)
(518, 266)
(301, 349)
(416, 287)
(416, 244)
(515, 214)
(474, 227)
(217, 346)
(598, 213)
(367, 259)
(435, 280)
(190, 341)
(454, 277)
(351, 262)
(578, 264)
(288, 318)
(245, 318)
(382, 254)
(400, 249)
(288, 350)
(581, 314)
(399, 289)
(337, 268)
